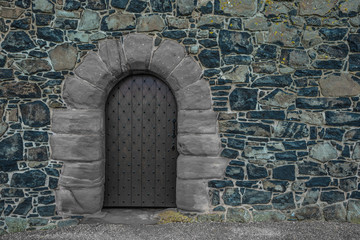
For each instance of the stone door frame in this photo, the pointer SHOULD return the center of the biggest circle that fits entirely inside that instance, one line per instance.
(78, 138)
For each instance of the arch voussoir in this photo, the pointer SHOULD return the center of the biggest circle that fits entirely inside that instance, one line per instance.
(138, 50)
(195, 96)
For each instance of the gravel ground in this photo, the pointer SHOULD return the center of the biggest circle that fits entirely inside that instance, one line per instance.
(206, 231)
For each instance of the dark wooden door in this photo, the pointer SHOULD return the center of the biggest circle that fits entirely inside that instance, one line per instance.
(140, 144)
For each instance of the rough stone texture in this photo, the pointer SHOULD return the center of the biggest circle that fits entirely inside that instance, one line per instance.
(17, 42)
(316, 7)
(82, 174)
(89, 20)
(138, 49)
(197, 121)
(191, 195)
(339, 85)
(118, 22)
(63, 57)
(199, 144)
(353, 211)
(31, 66)
(112, 54)
(19, 89)
(35, 114)
(284, 34)
(308, 213)
(194, 97)
(335, 212)
(150, 23)
(235, 8)
(240, 215)
(185, 7)
(268, 216)
(323, 152)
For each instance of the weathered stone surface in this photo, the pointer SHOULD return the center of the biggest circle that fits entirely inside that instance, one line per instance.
(354, 62)
(297, 59)
(89, 20)
(138, 48)
(353, 135)
(17, 42)
(354, 42)
(314, 118)
(195, 96)
(12, 13)
(197, 167)
(318, 182)
(38, 154)
(323, 103)
(44, 6)
(348, 184)
(150, 23)
(291, 130)
(24, 206)
(82, 174)
(50, 34)
(229, 153)
(206, 22)
(278, 98)
(185, 7)
(342, 118)
(238, 215)
(15, 224)
(316, 7)
(199, 144)
(77, 121)
(333, 34)
(356, 153)
(161, 6)
(234, 172)
(23, 23)
(268, 216)
(284, 201)
(284, 35)
(197, 121)
(273, 81)
(31, 66)
(209, 58)
(245, 128)
(220, 183)
(332, 197)
(78, 36)
(63, 57)
(19, 89)
(231, 196)
(257, 23)
(240, 74)
(275, 186)
(28, 179)
(117, 22)
(311, 168)
(235, 42)
(11, 149)
(353, 211)
(251, 196)
(243, 99)
(266, 51)
(257, 153)
(236, 143)
(35, 114)
(286, 172)
(112, 54)
(311, 196)
(308, 213)
(81, 95)
(255, 172)
(278, 115)
(96, 4)
(187, 72)
(192, 195)
(341, 168)
(335, 51)
(176, 23)
(323, 152)
(77, 147)
(311, 38)
(235, 8)
(339, 85)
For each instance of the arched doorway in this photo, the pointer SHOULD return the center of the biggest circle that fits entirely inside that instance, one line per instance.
(141, 153)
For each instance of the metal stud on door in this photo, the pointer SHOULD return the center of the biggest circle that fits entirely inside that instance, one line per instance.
(140, 144)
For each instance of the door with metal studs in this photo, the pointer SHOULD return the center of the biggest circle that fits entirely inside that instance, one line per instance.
(140, 144)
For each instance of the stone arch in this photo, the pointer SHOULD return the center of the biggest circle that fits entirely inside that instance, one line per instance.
(78, 132)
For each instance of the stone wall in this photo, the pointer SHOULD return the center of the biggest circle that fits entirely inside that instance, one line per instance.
(284, 78)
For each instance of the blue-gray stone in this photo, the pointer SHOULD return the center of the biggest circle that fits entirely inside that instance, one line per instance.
(275, 186)
(229, 153)
(318, 182)
(50, 34)
(251, 196)
(353, 135)
(232, 197)
(342, 119)
(336, 51)
(313, 21)
(246, 184)
(211, 72)
(243, 99)
(332, 197)
(208, 43)
(266, 51)
(354, 42)
(219, 209)
(46, 199)
(161, 5)
(294, 145)
(333, 34)
(236, 143)
(8, 166)
(43, 19)
(286, 156)
(120, 3)
(2, 60)
(4, 178)
(52, 172)
(277, 115)
(17, 41)
(37, 222)
(234, 172)
(136, 6)
(307, 73)
(235, 42)
(31, 179)
(11, 149)
(273, 81)
(65, 24)
(355, 194)
(215, 197)
(348, 184)
(97, 4)
(237, 60)
(341, 168)
(185, 7)
(207, 9)
(71, 5)
(284, 201)
(176, 34)
(38, 154)
(35, 114)
(323, 103)
(237, 163)
(235, 24)
(354, 62)
(308, 92)
(23, 3)
(210, 58)
(255, 172)
(334, 134)
(287, 129)
(46, 211)
(2, 206)
(87, 46)
(286, 172)
(6, 73)
(12, 192)
(220, 183)
(328, 64)
(311, 168)
(53, 182)
(245, 128)
(23, 23)
(24, 207)
(38, 54)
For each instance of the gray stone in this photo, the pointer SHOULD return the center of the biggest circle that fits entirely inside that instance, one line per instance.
(63, 57)
(197, 121)
(138, 49)
(311, 38)
(192, 195)
(90, 20)
(78, 36)
(278, 98)
(240, 74)
(44, 6)
(31, 66)
(112, 54)
(3, 128)
(245, 128)
(252, 196)
(284, 34)
(339, 85)
(35, 114)
(77, 121)
(12, 13)
(199, 144)
(323, 152)
(353, 211)
(268, 216)
(246, 8)
(186, 7)
(11, 149)
(316, 7)
(168, 55)
(308, 213)
(93, 70)
(19, 89)
(231, 196)
(150, 23)
(352, 135)
(356, 153)
(80, 94)
(17, 41)
(335, 212)
(284, 201)
(311, 196)
(66, 14)
(257, 153)
(194, 97)
(97, 36)
(341, 168)
(348, 184)
(82, 174)
(273, 9)
(178, 23)
(71, 147)
(187, 72)
(38, 154)
(355, 21)
(197, 167)
(117, 22)
(297, 59)
(257, 23)
(207, 21)
(287, 129)
(16, 224)
(238, 215)
(275, 186)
